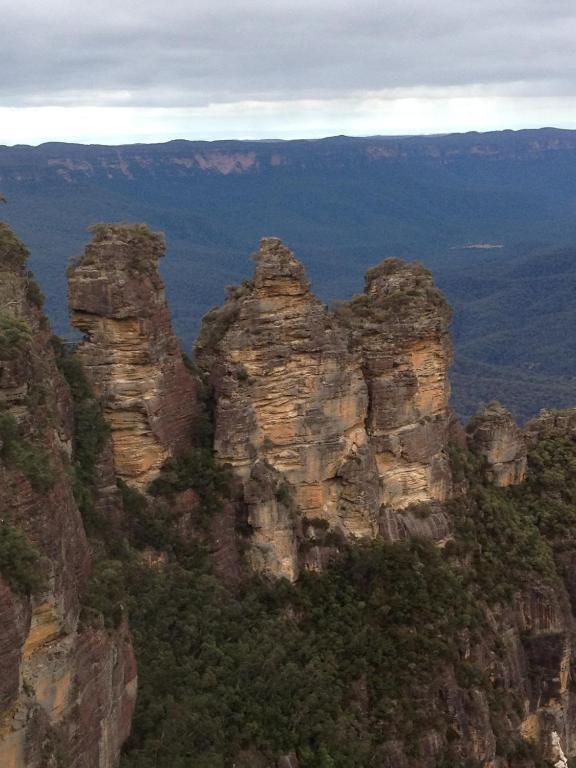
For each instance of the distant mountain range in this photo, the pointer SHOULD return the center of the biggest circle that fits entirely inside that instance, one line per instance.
(493, 215)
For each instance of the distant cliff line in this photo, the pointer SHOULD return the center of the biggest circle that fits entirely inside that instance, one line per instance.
(231, 157)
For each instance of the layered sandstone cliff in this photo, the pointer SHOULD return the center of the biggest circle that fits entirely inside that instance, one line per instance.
(290, 408)
(130, 353)
(65, 689)
(493, 434)
(349, 409)
(400, 324)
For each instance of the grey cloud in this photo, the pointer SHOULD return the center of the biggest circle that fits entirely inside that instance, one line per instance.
(196, 52)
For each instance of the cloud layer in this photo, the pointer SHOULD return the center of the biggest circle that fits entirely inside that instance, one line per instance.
(207, 54)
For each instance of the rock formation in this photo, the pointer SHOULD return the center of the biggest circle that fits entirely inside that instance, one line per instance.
(64, 687)
(551, 424)
(494, 435)
(130, 353)
(400, 324)
(350, 409)
(289, 395)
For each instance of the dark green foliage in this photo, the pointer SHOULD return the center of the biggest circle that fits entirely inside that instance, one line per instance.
(19, 561)
(196, 470)
(32, 460)
(15, 337)
(496, 529)
(105, 598)
(13, 253)
(220, 672)
(146, 526)
(550, 490)
(340, 662)
(90, 433)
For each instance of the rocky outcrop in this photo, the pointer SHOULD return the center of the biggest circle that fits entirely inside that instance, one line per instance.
(400, 325)
(64, 688)
(550, 424)
(493, 434)
(350, 409)
(289, 395)
(130, 353)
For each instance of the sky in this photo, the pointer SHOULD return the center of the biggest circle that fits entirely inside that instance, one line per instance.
(119, 71)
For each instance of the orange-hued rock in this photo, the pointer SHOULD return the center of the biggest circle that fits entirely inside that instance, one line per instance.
(494, 435)
(51, 669)
(350, 409)
(130, 353)
(400, 325)
(290, 396)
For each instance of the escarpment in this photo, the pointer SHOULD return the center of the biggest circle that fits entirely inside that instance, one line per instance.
(130, 353)
(65, 688)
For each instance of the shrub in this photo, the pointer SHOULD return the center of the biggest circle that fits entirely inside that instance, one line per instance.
(33, 461)
(13, 253)
(15, 337)
(90, 433)
(19, 561)
(199, 471)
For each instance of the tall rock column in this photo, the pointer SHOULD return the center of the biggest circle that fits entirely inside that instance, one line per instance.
(65, 688)
(130, 353)
(290, 396)
(400, 325)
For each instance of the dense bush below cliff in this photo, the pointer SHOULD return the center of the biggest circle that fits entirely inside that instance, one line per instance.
(341, 664)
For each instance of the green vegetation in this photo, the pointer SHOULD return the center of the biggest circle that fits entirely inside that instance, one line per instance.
(90, 433)
(145, 246)
(126, 231)
(13, 253)
(31, 460)
(341, 662)
(498, 534)
(19, 561)
(414, 293)
(336, 665)
(196, 470)
(549, 493)
(222, 673)
(15, 337)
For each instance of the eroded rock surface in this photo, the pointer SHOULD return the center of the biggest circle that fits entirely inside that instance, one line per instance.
(290, 392)
(130, 353)
(64, 688)
(400, 324)
(493, 434)
(350, 408)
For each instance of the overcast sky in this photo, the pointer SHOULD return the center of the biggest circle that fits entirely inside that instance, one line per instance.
(114, 71)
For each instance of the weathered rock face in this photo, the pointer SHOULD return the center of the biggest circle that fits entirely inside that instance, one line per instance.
(493, 434)
(550, 424)
(289, 393)
(400, 324)
(130, 353)
(61, 687)
(351, 409)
